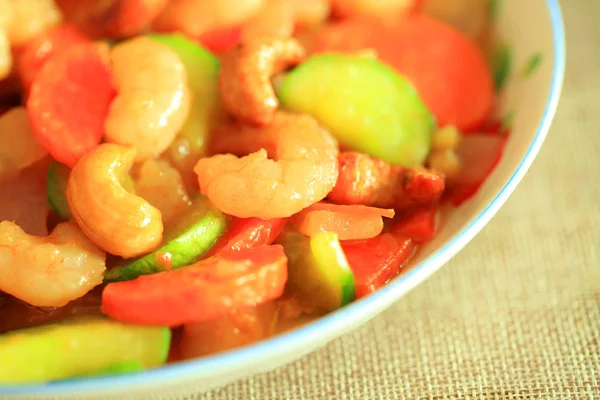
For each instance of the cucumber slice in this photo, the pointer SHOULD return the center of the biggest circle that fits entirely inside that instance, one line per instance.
(121, 367)
(318, 272)
(56, 185)
(203, 80)
(78, 347)
(185, 241)
(367, 105)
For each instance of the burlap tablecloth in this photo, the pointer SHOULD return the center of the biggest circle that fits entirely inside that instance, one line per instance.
(516, 315)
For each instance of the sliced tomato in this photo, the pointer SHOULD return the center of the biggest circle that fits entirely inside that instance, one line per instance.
(447, 68)
(37, 51)
(207, 289)
(347, 221)
(69, 101)
(375, 261)
(420, 224)
(246, 233)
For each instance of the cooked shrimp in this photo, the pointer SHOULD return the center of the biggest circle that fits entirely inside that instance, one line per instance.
(48, 271)
(18, 146)
(303, 170)
(153, 101)
(30, 18)
(245, 77)
(162, 186)
(274, 19)
(195, 17)
(372, 182)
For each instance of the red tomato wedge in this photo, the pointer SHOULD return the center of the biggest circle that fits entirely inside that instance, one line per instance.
(39, 50)
(246, 233)
(375, 261)
(480, 155)
(69, 101)
(207, 289)
(347, 221)
(447, 68)
(420, 224)
(221, 40)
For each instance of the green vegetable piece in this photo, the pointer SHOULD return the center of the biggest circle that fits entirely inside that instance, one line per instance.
(501, 64)
(78, 347)
(185, 241)
(56, 186)
(318, 271)
(367, 105)
(121, 367)
(532, 64)
(203, 80)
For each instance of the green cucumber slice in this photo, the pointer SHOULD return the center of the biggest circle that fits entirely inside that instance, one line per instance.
(318, 272)
(365, 104)
(56, 186)
(185, 241)
(77, 347)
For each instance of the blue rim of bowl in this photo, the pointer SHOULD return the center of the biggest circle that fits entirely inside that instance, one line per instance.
(340, 320)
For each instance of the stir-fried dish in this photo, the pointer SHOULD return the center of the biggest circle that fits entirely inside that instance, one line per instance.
(184, 177)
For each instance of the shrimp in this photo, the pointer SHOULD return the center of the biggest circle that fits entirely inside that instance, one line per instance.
(245, 77)
(154, 99)
(372, 182)
(30, 18)
(48, 271)
(162, 186)
(19, 148)
(311, 12)
(303, 170)
(196, 17)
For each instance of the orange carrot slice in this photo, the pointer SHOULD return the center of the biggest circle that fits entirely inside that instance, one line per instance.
(68, 116)
(207, 289)
(37, 51)
(375, 261)
(347, 221)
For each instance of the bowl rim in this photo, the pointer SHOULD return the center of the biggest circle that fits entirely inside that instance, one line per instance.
(354, 313)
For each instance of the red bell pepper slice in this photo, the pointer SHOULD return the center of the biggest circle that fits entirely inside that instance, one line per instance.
(420, 224)
(375, 261)
(246, 233)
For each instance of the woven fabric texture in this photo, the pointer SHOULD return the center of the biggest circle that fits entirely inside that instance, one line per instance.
(516, 315)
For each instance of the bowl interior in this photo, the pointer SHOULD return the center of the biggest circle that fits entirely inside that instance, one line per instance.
(534, 33)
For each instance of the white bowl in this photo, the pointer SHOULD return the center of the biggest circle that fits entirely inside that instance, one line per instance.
(530, 27)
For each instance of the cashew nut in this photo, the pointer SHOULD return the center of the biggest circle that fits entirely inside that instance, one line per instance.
(245, 77)
(116, 220)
